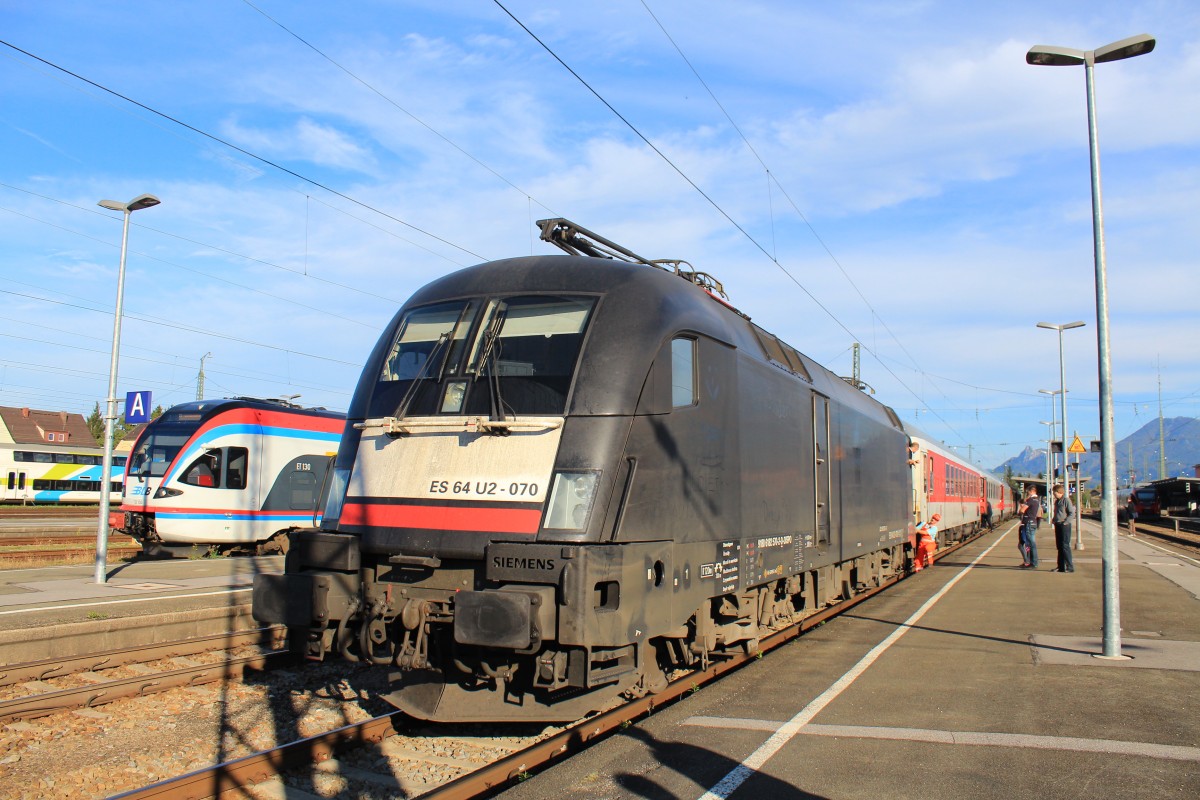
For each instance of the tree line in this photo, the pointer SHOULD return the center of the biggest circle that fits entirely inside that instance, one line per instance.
(121, 429)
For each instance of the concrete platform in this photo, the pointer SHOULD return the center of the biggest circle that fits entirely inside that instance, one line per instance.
(974, 679)
(49, 612)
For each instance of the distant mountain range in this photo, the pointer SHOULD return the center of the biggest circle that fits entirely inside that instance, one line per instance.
(1137, 454)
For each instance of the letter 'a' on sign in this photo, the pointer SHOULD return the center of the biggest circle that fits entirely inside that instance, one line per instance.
(1076, 447)
(137, 407)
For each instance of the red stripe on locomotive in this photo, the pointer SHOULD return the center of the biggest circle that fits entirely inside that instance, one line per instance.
(443, 518)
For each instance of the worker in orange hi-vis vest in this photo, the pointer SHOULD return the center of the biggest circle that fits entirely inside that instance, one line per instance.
(927, 542)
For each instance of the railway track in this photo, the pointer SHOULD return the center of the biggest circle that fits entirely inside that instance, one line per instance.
(1185, 533)
(115, 540)
(48, 680)
(58, 512)
(333, 752)
(56, 546)
(33, 557)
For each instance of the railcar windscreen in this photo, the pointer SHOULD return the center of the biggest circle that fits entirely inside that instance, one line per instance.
(158, 448)
(520, 360)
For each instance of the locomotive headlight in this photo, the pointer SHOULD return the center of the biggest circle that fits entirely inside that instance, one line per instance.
(452, 399)
(571, 500)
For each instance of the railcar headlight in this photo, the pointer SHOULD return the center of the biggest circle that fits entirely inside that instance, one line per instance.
(165, 492)
(571, 500)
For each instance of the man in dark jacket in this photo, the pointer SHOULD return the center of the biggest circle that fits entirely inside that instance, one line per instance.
(1031, 512)
(1063, 511)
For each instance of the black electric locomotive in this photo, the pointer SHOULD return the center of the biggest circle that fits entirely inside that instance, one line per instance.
(564, 477)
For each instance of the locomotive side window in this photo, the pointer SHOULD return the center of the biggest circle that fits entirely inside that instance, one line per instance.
(683, 372)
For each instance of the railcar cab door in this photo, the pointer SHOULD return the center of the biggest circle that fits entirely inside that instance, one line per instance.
(822, 469)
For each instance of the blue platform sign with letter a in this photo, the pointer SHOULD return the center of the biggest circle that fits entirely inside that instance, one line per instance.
(137, 407)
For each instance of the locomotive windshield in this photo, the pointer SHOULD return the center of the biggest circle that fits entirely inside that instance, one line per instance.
(512, 355)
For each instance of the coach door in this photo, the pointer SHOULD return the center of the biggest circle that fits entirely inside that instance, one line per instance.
(821, 484)
(14, 486)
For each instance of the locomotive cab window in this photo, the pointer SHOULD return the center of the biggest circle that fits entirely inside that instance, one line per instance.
(510, 356)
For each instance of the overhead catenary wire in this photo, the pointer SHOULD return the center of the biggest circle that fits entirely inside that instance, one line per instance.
(191, 329)
(749, 237)
(397, 106)
(773, 179)
(372, 293)
(242, 150)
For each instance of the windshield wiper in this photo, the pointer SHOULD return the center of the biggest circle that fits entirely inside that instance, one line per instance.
(402, 409)
(457, 325)
(490, 359)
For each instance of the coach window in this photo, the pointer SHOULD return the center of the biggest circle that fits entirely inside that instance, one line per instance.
(683, 372)
(235, 474)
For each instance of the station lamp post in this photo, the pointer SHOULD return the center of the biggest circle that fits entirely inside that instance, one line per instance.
(110, 416)
(1062, 378)
(1051, 56)
(1053, 432)
(1049, 450)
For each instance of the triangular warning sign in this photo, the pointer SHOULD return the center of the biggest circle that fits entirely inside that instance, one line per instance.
(1076, 447)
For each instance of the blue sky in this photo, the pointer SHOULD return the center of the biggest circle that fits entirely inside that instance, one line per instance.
(888, 173)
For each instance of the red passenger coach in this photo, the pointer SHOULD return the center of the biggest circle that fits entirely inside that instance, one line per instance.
(956, 489)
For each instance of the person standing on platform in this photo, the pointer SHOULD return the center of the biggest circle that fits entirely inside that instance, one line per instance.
(1031, 513)
(1063, 511)
(927, 537)
(985, 513)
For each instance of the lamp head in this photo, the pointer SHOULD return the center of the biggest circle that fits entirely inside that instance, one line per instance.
(1064, 327)
(136, 204)
(143, 201)
(1045, 55)
(1126, 48)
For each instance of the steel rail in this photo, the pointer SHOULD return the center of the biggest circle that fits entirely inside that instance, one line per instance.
(71, 552)
(40, 705)
(271, 637)
(79, 511)
(1180, 536)
(58, 537)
